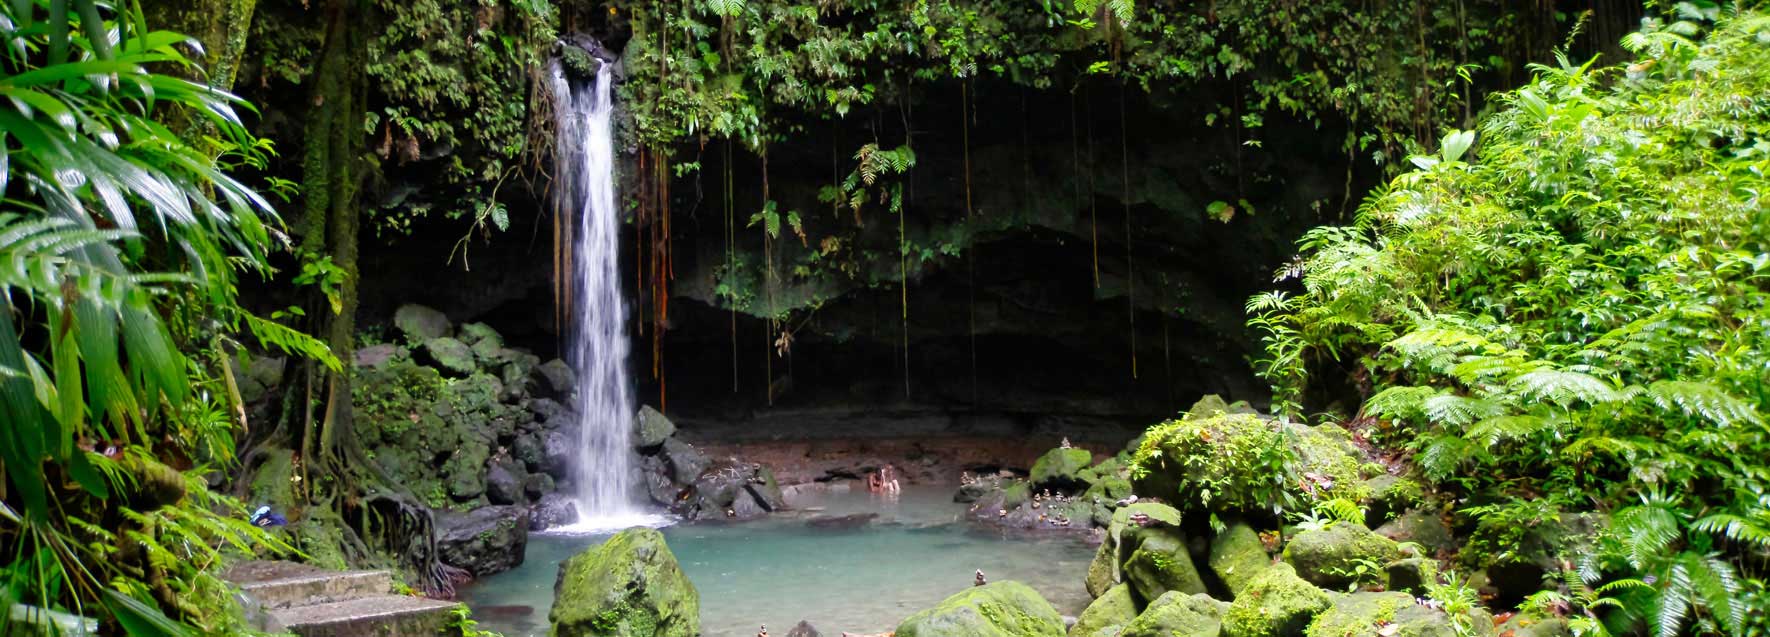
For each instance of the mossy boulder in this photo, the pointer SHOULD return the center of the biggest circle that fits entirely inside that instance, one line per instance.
(1237, 556)
(420, 323)
(1207, 406)
(1387, 496)
(1329, 557)
(1061, 469)
(475, 333)
(1160, 564)
(1276, 603)
(453, 357)
(1528, 625)
(1391, 614)
(1001, 609)
(1179, 615)
(1420, 527)
(1108, 615)
(651, 428)
(630, 586)
(1410, 575)
(1103, 572)
(1241, 463)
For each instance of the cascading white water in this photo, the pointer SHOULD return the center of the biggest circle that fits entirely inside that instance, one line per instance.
(597, 341)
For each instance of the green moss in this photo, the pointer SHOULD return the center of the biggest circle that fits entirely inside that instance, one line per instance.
(1179, 615)
(1001, 609)
(1108, 615)
(1392, 614)
(1220, 463)
(1159, 563)
(1061, 468)
(1276, 603)
(1238, 556)
(1340, 554)
(629, 586)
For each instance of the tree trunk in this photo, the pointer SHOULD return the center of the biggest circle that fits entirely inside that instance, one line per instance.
(221, 25)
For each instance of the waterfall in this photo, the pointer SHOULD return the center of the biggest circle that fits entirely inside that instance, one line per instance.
(597, 346)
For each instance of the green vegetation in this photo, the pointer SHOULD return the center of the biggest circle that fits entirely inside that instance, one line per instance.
(121, 244)
(1565, 311)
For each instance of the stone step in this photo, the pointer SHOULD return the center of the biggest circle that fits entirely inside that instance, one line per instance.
(378, 616)
(318, 587)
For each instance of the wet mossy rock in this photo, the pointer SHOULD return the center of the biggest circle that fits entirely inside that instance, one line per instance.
(1420, 527)
(488, 540)
(1392, 614)
(419, 323)
(651, 428)
(1238, 556)
(451, 356)
(1326, 557)
(1527, 625)
(1124, 537)
(1001, 609)
(1108, 615)
(1061, 469)
(1242, 463)
(1276, 603)
(630, 586)
(1160, 564)
(1179, 615)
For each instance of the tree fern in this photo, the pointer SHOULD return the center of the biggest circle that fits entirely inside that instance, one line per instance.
(1702, 400)
(1563, 387)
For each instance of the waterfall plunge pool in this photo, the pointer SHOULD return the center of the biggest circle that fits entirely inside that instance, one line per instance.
(779, 570)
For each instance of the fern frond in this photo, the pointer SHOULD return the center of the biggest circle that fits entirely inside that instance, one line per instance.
(1400, 402)
(1460, 411)
(1563, 387)
(1736, 529)
(1492, 431)
(1702, 400)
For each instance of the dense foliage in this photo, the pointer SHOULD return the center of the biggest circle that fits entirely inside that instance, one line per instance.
(1566, 311)
(121, 244)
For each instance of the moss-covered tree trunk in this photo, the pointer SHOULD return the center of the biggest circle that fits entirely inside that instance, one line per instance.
(221, 25)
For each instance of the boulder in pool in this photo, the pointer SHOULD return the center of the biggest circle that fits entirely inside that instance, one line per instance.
(1108, 615)
(630, 586)
(1061, 469)
(1002, 609)
(1176, 613)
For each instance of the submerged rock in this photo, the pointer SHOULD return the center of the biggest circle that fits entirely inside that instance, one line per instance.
(804, 629)
(420, 323)
(1108, 615)
(1002, 609)
(629, 586)
(484, 541)
(1237, 556)
(1328, 557)
(1176, 613)
(842, 522)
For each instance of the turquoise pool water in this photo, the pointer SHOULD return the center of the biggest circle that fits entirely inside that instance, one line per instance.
(780, 570)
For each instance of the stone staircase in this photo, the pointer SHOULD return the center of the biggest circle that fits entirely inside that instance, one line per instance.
(314, 602)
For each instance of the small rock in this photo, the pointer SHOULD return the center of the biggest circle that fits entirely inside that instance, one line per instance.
(419, 323)
(476, 333)
(1411, 575)
(531, 451)
(684, 461)
(558, 378)
(504, 482)
(554, 509)
(450, 356)
(559, 451)
(651, 428)
(803, 629)
(537, 485)
(374, 356)
(842, 522)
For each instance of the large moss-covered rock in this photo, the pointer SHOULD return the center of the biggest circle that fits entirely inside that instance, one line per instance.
(1528, 625)
(1392, 614)
(1160, 564)
(1237, 556)
(630, 586)
(1179, 615)
(1001, 609)
(1207, 406)
(1121, 541)
(1276, 603)
(1387, 496)
(1108, 615)
(450, 355)
(1061, 469)
(1227, 463)
(1329, 557)
(419, 323)
(1103, 572)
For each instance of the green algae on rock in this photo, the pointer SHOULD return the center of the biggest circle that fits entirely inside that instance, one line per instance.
(1276, 603)
(1176, 613)
(1329, 557)
(1001, 609)
(630, 586)
(1237, 556)
(1108, 615)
